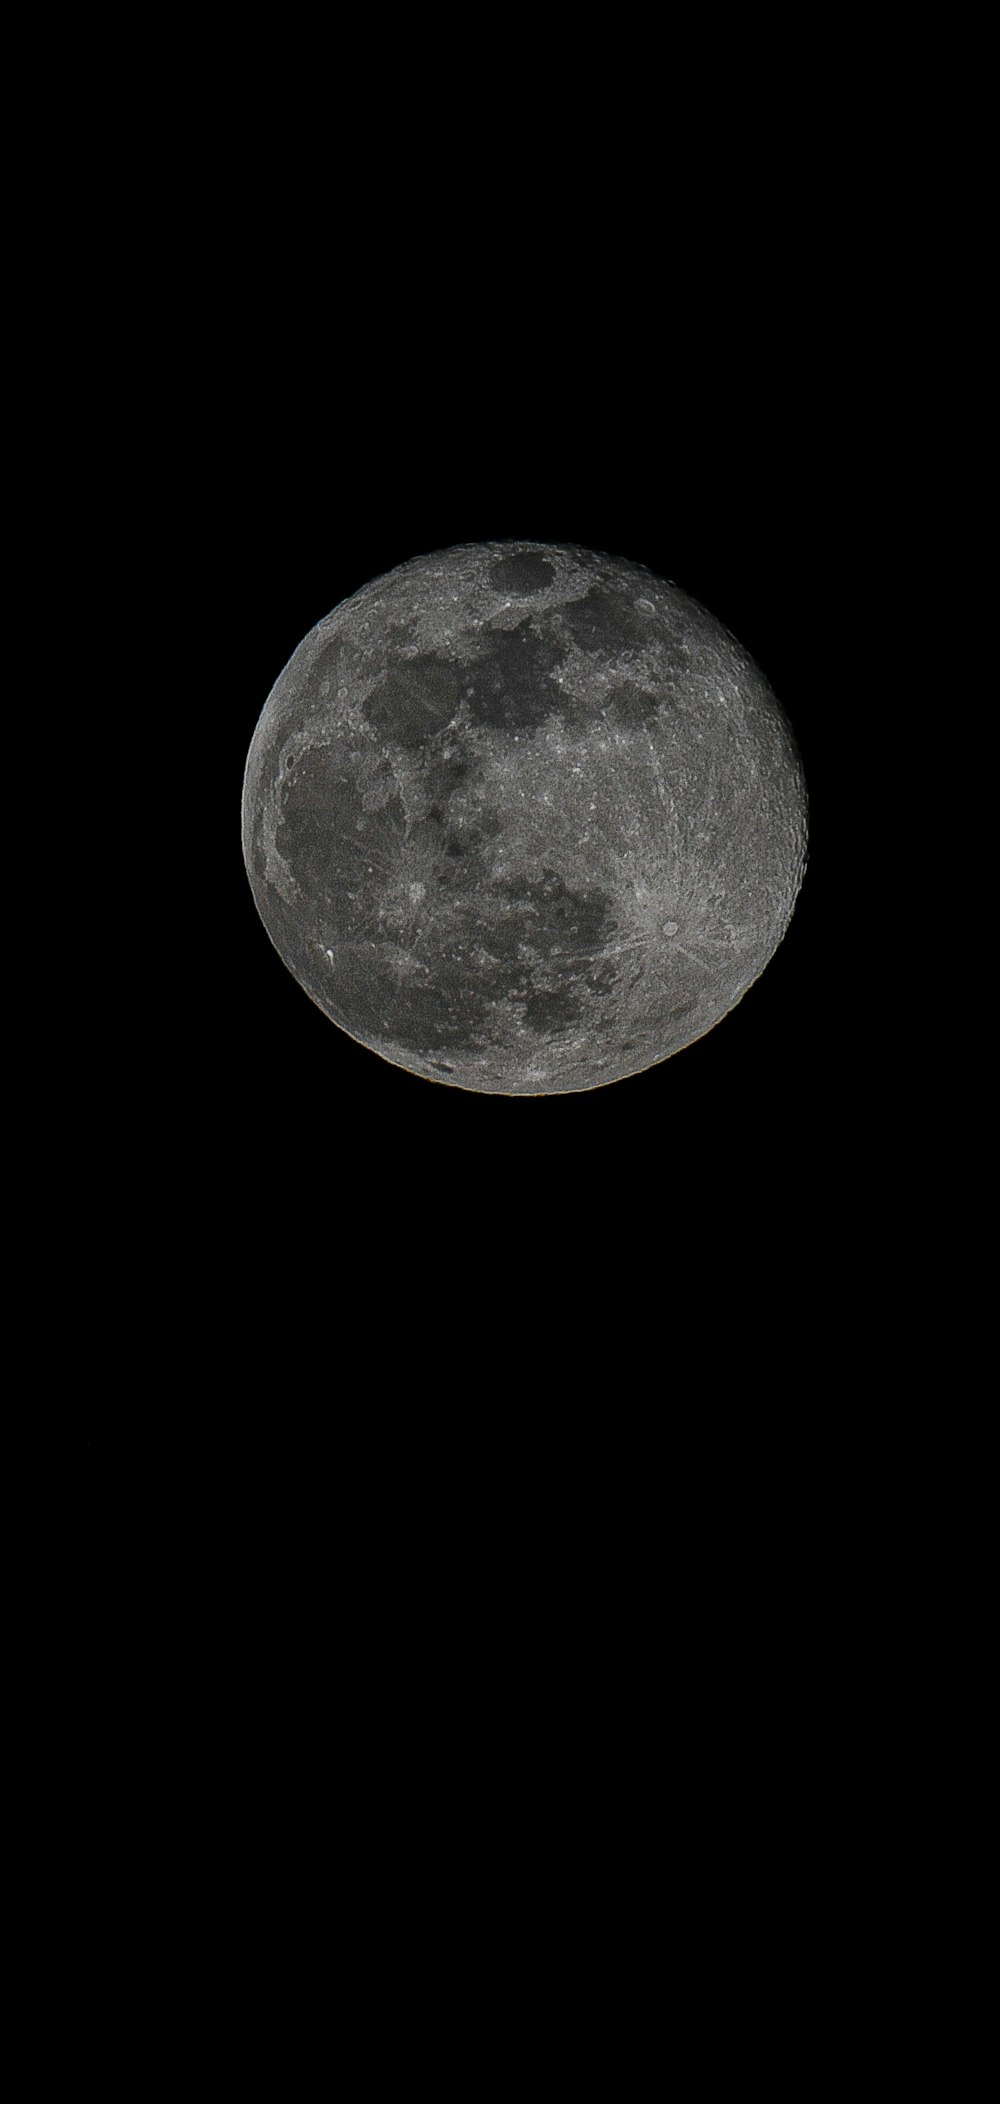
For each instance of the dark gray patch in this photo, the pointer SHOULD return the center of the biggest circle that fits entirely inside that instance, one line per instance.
(512, 686)
(424, 838)
(452, 865)
(562, 922)
(524, 944)
(632, 706)
(325, 835)
(521, 574)
(442, 775)
(601, 623)
(602, 982)
(552, 1010)
(459, 856)
(415, 700)
(437, 1008)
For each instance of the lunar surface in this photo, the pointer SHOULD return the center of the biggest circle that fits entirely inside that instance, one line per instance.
(523, 819)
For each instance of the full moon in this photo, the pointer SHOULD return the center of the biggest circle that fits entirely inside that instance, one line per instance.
(523, 819)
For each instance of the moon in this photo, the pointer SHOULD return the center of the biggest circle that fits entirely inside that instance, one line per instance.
(523, 818)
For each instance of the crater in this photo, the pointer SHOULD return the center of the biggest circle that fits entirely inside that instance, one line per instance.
(521, 575)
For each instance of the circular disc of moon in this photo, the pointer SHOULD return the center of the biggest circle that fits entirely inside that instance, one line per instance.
(523, 818)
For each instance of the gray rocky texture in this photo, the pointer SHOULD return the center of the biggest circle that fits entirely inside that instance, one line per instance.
(523, 818)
